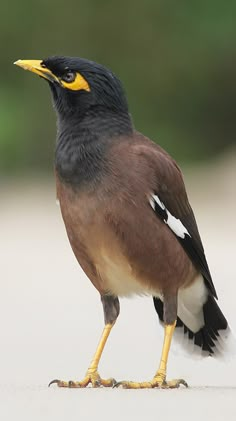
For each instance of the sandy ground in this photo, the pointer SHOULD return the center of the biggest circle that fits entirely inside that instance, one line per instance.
(51, 317)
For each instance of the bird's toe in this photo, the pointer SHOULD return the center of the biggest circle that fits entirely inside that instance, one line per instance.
(92, 378)
(156, 382)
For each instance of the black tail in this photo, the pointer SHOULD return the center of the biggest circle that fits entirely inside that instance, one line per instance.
(206, 338)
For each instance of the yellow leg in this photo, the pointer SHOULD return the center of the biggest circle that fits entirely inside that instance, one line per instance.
(159, 380)
(161, 372)
(92, 375)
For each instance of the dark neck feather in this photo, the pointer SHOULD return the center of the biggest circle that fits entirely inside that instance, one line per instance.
(82, 144)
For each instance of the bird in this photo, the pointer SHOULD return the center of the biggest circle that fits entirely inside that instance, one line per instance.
(127, 215)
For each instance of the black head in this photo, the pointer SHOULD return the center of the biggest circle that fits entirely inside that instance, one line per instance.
(78, 84)
(93, 113)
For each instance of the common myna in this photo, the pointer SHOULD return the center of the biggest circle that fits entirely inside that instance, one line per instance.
(126, 213)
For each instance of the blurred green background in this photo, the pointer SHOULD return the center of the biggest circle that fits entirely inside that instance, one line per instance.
(177, 61)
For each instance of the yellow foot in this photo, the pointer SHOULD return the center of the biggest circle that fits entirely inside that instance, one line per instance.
(93, 378)
(156, 382)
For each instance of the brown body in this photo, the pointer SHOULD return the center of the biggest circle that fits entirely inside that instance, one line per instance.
(119, 251)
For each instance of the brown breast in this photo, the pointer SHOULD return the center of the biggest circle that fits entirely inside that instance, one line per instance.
(120, 251)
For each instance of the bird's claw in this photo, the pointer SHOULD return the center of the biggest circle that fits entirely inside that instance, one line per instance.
(91, 378)
(174, 384)
(56, 381)
(159, 383)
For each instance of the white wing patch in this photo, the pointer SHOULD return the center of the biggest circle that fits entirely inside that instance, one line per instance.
(157, 200)
(173, 223)
(176, 225)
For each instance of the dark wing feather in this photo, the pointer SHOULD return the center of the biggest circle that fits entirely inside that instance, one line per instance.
(176, 201)
(171, 191)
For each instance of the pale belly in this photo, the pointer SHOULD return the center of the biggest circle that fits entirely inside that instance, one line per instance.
(105, 257)
(119, 279)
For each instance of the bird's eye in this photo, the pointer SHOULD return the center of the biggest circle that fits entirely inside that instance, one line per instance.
(69, 76)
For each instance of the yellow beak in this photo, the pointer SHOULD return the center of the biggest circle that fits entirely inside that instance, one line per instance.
(35, 66)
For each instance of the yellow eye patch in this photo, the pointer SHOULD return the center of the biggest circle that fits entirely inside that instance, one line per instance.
(71, 80)
(77, 84)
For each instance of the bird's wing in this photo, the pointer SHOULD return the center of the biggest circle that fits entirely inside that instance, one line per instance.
(170, 203)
